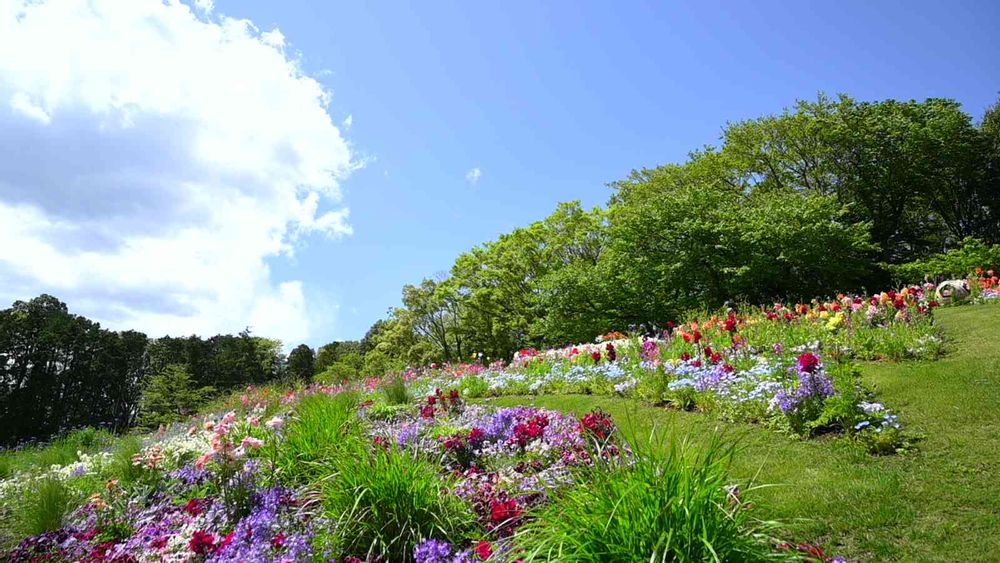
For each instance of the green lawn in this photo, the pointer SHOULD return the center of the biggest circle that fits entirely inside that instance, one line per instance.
(939, 504)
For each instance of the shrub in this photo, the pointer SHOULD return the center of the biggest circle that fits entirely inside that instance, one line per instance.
(387, 504)
(958, 262)
(669, 506)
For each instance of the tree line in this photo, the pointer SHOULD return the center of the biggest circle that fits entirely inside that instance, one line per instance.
(60, 371)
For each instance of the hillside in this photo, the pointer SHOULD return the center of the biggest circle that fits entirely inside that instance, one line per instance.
(937, 504)
(306, 474)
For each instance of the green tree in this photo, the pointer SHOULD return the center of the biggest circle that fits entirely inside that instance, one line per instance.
(302, 362)
(171, 395)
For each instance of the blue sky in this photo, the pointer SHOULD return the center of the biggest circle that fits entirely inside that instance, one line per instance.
(550, 101)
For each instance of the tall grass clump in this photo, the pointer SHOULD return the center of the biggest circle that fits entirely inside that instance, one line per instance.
(323, 428)
(121, 466)
(672, 504)
(387, 501)
(395, 391)
(42, 507)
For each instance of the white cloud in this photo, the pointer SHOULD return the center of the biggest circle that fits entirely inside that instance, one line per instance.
(154, 158)
(348, 121)
(473, 176)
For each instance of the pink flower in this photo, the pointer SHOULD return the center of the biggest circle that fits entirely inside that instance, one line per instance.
(252, 443)
(201, 461)
(276, 423)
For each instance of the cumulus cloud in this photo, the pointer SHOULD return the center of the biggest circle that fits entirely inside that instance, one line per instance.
(154, 157)
(472, 176)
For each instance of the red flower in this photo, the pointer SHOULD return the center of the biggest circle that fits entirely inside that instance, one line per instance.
(696, 337)
(730, 324)
(504, 511)
(708, 351)
(453, 395)
(202, 543)
(195, 506)
(530, 430)
(278, 541)
(476, 436)
(611, 352)
(715, 358)
(455, 442)
(227, 540)
(598, 423)
(596, 356)
(808, 362)
(685, 357)
(427, 411)
(484, 550)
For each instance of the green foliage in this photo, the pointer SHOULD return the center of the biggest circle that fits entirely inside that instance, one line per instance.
(959, 262)
(386, 504)
(383, 411)
(171, 395)
(347, 368)
(671, 504)
(474, 387)
(331, 353)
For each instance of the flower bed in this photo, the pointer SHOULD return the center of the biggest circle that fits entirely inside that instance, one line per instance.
(218, 490)
(761, 367)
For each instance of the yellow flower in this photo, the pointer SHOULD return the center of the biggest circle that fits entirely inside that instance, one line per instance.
(835, 322)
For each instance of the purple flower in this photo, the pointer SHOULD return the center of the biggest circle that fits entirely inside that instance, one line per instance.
(437, 551)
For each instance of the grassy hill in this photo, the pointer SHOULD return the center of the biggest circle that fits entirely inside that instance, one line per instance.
(941, 503)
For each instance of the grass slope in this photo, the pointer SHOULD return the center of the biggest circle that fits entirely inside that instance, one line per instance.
(940, 504)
